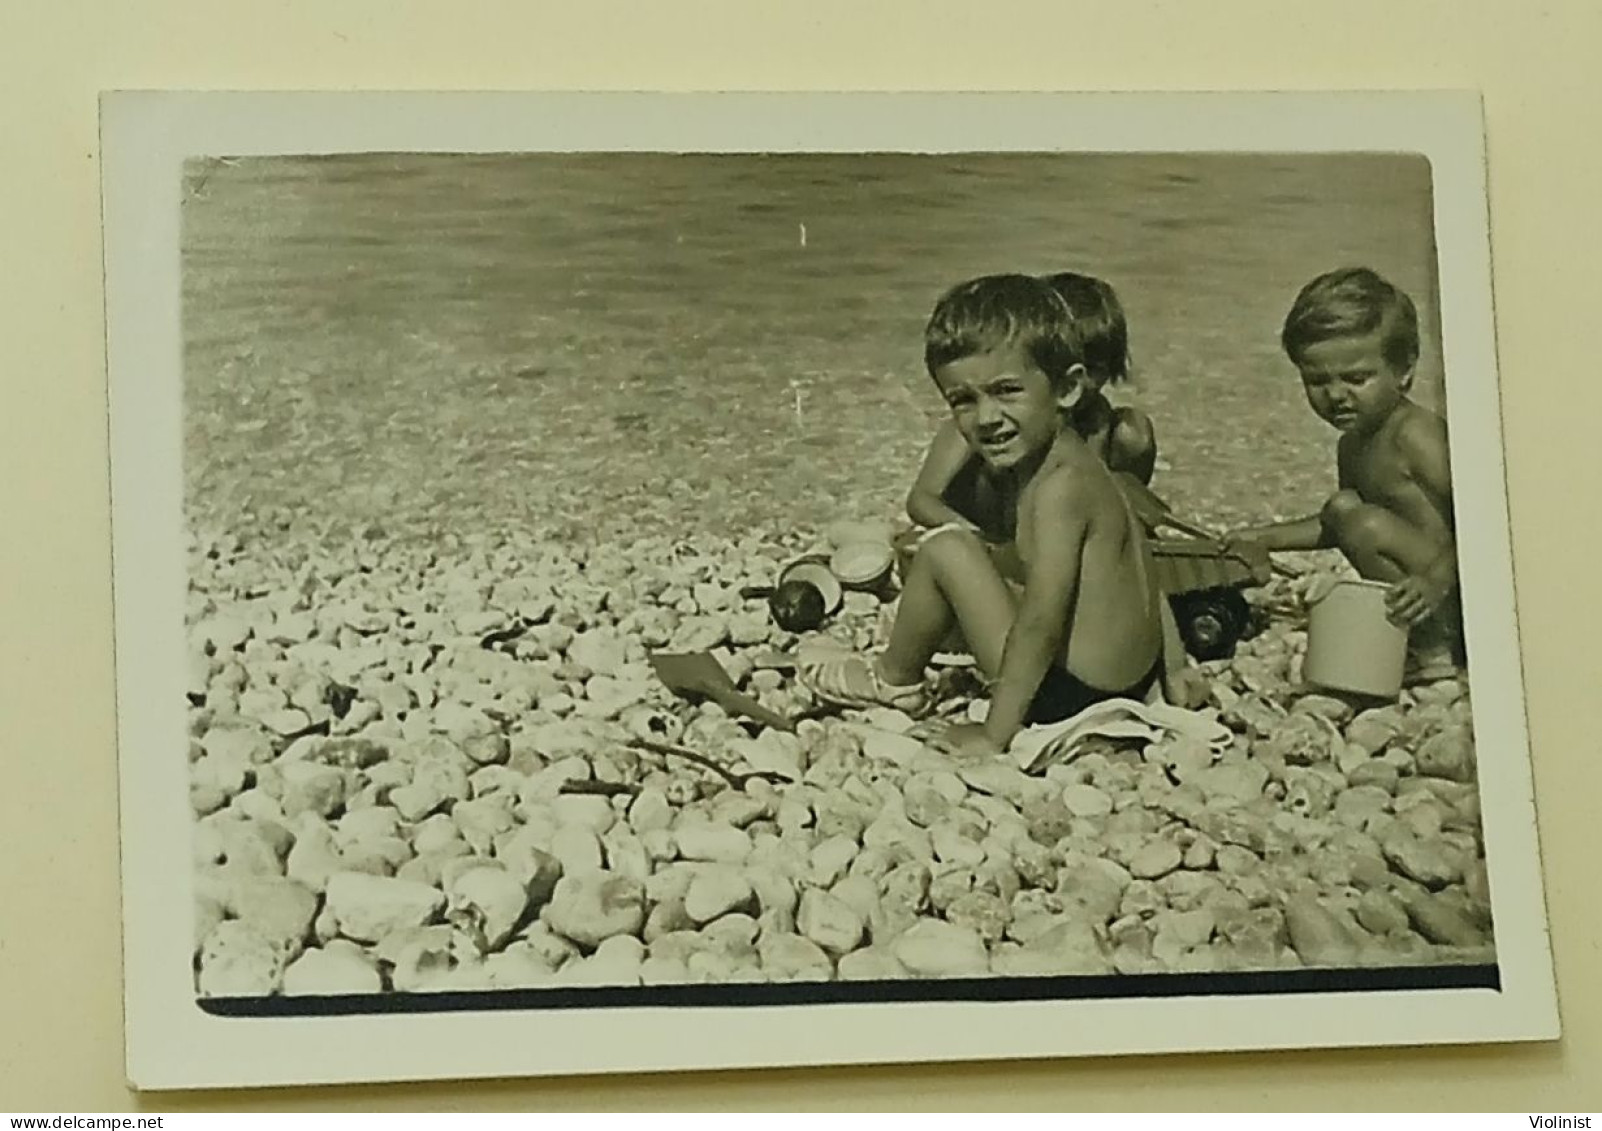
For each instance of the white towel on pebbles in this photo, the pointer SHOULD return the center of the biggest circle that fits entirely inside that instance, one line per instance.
(1037, 747)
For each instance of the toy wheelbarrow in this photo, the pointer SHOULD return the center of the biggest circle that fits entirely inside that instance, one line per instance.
(1200, 575)
(1154, 514)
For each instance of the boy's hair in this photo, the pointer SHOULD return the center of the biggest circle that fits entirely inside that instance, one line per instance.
(1098, 317)
(1349, 303)
(996, 311)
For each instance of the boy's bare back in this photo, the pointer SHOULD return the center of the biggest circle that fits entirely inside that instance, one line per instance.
(1072, 509)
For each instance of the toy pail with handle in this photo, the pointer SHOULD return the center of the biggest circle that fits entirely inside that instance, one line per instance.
(1351, 645)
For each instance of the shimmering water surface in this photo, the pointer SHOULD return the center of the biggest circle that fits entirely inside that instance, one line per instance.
(662, 342)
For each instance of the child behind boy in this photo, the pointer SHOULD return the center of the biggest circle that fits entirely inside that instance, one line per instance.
(1086, 625)
(1354, 338)
(952, 485)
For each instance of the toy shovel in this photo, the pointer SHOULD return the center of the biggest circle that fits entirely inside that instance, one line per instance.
(699, 675)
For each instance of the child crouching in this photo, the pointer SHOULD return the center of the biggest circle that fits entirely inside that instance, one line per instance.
(1354, 339)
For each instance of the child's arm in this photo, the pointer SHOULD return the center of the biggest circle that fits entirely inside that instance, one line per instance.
(1059, 517)
(1308, 533)
(1296, 534)
(1424, 445)
(926, 504)
(1132, 444)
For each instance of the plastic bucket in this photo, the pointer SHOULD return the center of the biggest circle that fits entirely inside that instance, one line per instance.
(814, 571)
(1351, 645)
(862, 565)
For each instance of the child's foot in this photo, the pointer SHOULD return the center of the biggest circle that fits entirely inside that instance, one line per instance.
(848, 679)
(1429, 665)
(1432, 651)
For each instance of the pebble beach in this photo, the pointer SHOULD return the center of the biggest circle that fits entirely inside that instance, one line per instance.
(433, 543)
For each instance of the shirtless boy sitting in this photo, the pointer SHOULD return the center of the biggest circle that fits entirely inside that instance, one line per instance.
(1086, 625)
(1354, 337)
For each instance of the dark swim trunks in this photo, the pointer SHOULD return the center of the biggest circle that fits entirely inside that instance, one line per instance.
(1063, 695)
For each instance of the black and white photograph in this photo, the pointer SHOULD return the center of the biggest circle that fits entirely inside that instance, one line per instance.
(881, 577)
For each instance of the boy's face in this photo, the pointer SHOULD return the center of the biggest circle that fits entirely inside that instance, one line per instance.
(1004, 406)
(1349, 382)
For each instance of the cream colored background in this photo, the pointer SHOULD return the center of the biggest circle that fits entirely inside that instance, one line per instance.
(60, 966)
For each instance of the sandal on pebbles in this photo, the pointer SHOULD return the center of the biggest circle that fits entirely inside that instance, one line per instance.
(848, 679)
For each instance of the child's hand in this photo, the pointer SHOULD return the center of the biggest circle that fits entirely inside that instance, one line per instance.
(962, 525)
(1413, 599)
(966, 741)
(1237, 540)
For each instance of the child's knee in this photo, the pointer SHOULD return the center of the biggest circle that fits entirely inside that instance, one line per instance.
(950, 541)
(951, 549)
(905, 547)
(1341, 512)
(1356, 527)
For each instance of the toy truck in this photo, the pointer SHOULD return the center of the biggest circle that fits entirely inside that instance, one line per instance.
(1202, 578)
